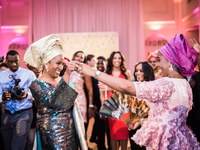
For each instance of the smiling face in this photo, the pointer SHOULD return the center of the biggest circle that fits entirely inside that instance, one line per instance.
(55, 66)
(153, 63)
(139, 73)
(79, 57)
(117, 59)
(163, 65)
(101, 65)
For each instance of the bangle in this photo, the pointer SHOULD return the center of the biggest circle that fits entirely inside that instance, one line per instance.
(92, 106)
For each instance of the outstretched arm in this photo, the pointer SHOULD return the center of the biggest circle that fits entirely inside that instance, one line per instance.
(121, 85)
(196, 46)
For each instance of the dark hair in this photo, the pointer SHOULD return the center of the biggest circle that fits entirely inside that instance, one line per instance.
(148, 71)
(12, 53)
(101, 57)
(3, 65)
(109, 67)
(77, 53)
(89, 57)
(64, 69)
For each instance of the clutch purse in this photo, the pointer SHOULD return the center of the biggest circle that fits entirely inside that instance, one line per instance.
(79, 126)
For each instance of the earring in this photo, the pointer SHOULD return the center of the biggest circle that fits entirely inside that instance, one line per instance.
(171, 68)
(47, 68)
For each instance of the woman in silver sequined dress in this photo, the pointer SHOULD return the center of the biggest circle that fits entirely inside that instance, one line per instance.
(53, 96)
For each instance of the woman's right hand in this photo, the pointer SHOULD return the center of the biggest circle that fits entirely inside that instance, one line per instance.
(85, 69)
(71, 66)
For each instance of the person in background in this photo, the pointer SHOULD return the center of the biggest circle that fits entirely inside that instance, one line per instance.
(196, 46)
(32, 132)
(54, 98)
(169, 98)
(78, 81)
(143, 72)
(34, 69)
(91, 61)
(18, 115)
(98, 132)
(193, 119)
(3, 66)
(118, 129)
(101, 66)
(153, 61)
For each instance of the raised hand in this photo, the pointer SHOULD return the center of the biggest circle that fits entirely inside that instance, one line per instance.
(71, 66)
(195, 45)
(83, 68)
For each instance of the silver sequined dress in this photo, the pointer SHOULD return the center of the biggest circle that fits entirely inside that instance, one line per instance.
(54, 117)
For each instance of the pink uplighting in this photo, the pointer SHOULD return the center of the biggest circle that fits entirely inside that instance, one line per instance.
(195, 10)
(147, 49)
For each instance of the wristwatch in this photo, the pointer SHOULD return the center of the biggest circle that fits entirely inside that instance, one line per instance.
(97, 73)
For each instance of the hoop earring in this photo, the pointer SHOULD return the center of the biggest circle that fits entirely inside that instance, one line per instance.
(171, 68)
(47, 68)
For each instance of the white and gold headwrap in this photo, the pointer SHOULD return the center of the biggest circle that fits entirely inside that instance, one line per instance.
(42, 51)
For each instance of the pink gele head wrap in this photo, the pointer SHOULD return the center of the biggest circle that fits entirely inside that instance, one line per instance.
(179, 53)
(152, 54)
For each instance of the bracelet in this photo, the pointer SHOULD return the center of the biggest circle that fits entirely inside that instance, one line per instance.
(92, 106)
(141, 121)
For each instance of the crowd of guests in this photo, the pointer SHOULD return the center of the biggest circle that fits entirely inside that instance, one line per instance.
(49, 92)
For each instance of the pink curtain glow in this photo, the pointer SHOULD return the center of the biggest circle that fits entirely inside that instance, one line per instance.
(71, 16)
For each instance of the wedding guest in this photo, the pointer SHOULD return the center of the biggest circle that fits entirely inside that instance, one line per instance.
(118, 129)
(18, 114)
(78, 81)
(54, 98)
(142, 72)
(169, 98)
(153, 61)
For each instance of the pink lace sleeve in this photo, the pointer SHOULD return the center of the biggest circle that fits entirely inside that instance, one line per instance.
(157, 90)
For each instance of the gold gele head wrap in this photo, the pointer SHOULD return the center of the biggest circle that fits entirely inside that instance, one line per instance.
(42, 51)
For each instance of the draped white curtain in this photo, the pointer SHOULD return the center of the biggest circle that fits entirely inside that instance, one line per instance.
(69, 16)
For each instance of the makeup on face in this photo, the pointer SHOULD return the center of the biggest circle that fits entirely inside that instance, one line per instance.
(117, 60)
(139, 73)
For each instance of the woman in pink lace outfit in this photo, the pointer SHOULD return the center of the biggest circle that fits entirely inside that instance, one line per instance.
(78, 81)
(169, 98)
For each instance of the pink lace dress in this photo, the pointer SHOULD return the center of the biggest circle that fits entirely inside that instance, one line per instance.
(81, 99)
(169, 100)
